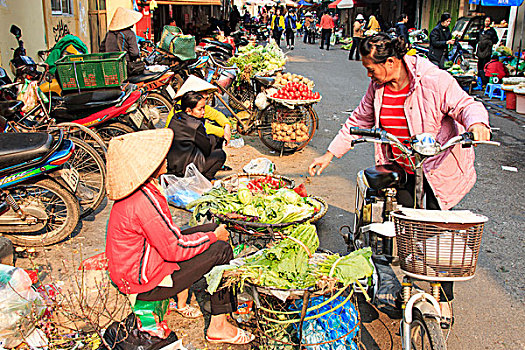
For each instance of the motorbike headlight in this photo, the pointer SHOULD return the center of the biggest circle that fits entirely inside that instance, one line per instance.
(425, 144)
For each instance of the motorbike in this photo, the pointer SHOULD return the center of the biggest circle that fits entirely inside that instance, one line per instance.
(381, 224)
(37, 186)
(86, 159)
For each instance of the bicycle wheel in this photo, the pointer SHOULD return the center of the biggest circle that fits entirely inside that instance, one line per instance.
(303, 115)
(159, 107)
(58, 207)
(425, 333)
(109, 131)
(85, 134)
(92, 171)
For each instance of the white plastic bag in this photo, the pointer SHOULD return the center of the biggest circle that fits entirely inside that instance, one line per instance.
(182, 190)
(20, 305)
(259, 166)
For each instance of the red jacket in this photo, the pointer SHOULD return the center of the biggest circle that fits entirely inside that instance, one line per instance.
(327, 22)
(143, 245)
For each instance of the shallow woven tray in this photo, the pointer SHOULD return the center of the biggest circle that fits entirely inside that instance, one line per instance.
(229, 179)
(295, 102)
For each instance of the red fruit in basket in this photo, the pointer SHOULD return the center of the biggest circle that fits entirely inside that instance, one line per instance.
(301, 190)
(317, 95)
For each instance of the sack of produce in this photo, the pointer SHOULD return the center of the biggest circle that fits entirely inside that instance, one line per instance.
(182, 190)
(178, 44)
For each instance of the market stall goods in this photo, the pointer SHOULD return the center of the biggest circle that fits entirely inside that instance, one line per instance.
(292, 264)
(296, 132)
(282, 79)
(296, 91)
(266, 201)
(258, 60)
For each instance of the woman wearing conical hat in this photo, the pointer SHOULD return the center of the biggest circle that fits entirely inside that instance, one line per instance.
(120, 37)
(148, 255)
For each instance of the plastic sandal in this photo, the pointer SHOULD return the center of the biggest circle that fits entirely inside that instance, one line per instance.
(189, 311)
(242, 337)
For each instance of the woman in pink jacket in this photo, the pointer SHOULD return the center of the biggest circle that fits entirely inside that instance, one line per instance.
(409, 95)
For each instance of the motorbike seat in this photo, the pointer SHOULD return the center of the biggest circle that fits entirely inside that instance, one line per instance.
(385, 176)
(146, 77)
(218, 43)
(18, 148)
(10, 108)
(92, 99)
(264, 81)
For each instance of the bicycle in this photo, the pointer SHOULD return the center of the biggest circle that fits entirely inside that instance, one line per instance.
(432, 246)
(262, 113)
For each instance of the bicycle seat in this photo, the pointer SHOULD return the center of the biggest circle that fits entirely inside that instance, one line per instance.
(10, 108)
(146, 77)
(385, 176)
(265, 81)
(18, 148)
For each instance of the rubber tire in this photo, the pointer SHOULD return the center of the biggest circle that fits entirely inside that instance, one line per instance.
(117, 127)
(72, 217)
(101, 165)
(167, 104)
(432, 328)
(266, 137)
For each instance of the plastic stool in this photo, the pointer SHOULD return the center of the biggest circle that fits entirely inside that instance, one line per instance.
(495, 91)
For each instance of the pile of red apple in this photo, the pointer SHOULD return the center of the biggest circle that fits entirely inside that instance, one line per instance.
(296, 91)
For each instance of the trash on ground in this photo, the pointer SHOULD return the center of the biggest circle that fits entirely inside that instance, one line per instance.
(509, 168)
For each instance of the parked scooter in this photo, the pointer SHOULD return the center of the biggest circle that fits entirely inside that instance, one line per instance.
(37, 185)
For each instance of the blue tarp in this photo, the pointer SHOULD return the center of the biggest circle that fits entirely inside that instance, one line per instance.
(304, 3)
(496, 2)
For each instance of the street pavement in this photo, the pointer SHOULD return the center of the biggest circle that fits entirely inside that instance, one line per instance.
(489, 308)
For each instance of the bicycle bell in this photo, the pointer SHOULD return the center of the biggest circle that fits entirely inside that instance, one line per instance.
(425, 144)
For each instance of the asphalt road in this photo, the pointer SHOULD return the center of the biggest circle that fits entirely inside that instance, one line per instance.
(489, 308)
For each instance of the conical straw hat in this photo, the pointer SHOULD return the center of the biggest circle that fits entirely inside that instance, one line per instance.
(132, 159)
(196, 84)
(124, 18)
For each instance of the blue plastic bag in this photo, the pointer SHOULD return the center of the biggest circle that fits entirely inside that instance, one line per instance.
(331, 326)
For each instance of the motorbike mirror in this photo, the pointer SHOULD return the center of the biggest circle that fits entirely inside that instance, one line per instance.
(16, 31)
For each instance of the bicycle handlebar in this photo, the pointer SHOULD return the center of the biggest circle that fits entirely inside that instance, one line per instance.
(381, 136)
(375, 132)
(218, 64)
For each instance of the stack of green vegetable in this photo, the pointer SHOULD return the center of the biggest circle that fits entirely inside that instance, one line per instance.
(285, 265)
(269, 206)
(288, 265)
(252, 60)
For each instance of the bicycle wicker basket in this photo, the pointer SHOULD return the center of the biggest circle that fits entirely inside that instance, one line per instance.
(438, 244)
(290, 125)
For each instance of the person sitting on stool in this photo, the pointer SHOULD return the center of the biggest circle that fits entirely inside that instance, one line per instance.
(191, 144)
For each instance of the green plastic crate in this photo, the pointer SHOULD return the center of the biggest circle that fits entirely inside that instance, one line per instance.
(92, 71)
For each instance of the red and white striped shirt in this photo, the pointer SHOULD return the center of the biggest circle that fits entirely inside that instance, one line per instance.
(393, 120)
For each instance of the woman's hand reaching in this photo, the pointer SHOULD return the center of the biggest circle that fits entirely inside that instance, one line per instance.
(221, 233)
(321, 162)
